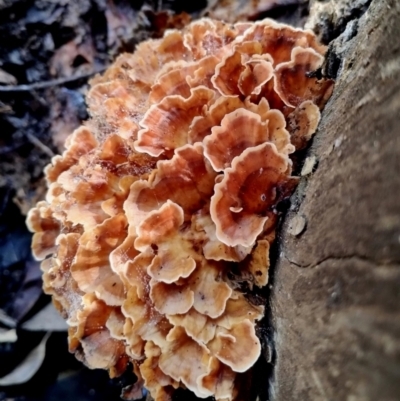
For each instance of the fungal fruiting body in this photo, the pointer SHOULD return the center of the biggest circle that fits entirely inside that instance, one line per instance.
(168, 189)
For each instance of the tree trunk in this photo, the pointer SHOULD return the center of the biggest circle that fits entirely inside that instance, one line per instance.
(335, 300)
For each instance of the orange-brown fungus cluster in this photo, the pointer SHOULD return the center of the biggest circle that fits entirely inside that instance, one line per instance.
(170, 186)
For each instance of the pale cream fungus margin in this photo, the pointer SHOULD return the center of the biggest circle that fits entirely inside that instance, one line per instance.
(171, 183)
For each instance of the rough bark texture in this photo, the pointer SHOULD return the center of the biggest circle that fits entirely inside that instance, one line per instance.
(335, 302)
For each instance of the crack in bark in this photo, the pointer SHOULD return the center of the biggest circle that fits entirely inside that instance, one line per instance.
(334, 258)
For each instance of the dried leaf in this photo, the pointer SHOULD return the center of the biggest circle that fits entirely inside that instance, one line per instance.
(8, 336)
(48, 319)
(29, 293)
(28, 367)
(7, 79)
(236, 10)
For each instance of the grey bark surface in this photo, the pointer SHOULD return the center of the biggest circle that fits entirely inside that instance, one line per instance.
(335, 301)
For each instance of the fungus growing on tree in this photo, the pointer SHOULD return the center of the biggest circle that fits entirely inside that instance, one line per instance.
(171, 185)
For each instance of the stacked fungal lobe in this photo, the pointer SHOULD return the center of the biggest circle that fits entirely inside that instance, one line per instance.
(170, 186)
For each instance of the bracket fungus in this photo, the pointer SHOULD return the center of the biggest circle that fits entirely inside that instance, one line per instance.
(170, 186)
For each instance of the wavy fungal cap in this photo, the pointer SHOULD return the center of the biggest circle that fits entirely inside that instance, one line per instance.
(168, 192)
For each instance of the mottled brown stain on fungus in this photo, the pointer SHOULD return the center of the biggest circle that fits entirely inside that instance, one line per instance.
(170, 189)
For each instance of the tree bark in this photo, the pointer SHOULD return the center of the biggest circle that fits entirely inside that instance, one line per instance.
(335, 301)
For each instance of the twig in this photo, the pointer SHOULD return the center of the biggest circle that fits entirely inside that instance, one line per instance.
(7, 320)
(40, 145)
(48, 84)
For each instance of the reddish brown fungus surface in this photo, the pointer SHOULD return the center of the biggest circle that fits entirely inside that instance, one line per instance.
(170, 185)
